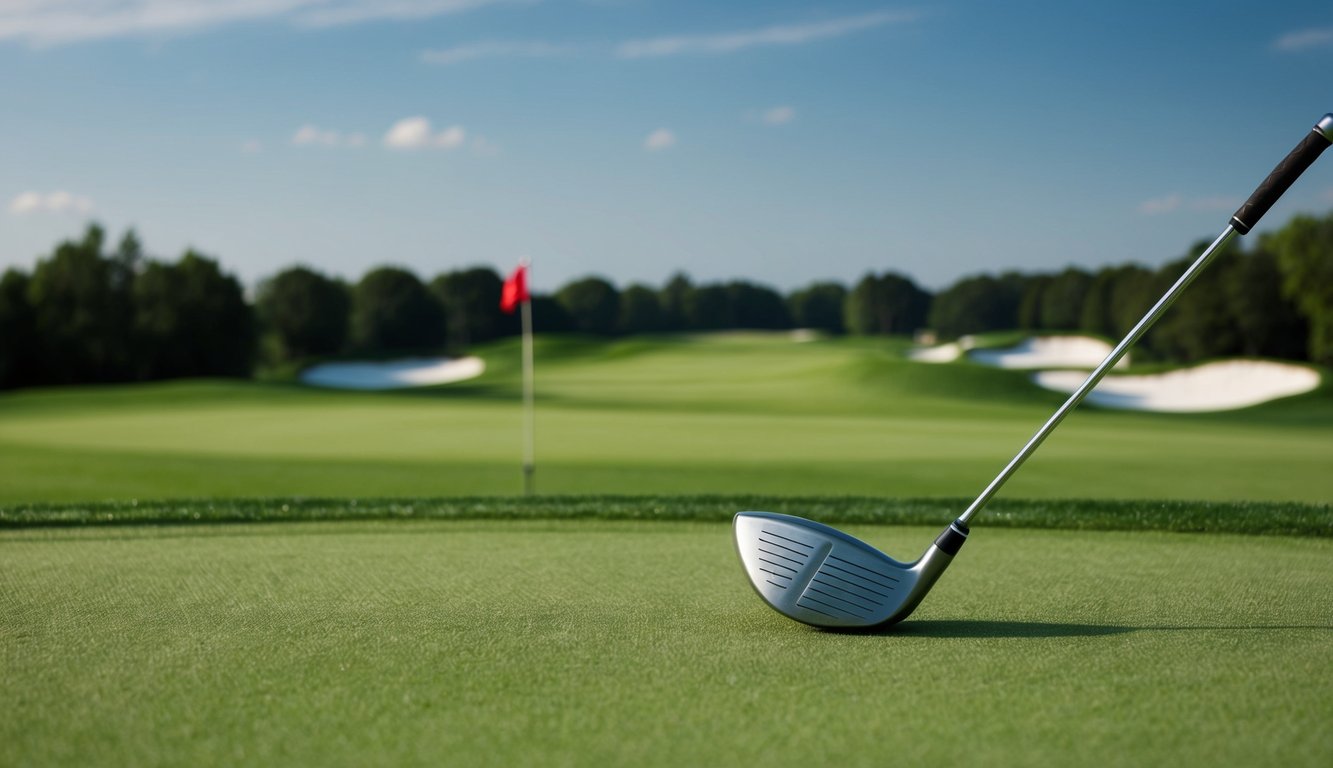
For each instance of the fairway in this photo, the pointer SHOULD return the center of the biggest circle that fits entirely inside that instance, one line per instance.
(725, 413)
(578, 643)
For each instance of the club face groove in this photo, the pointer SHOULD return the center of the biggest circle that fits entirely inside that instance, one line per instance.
(821, 576)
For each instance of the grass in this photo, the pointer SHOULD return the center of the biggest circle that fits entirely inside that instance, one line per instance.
(212, 572)
(601, 642)
(726, 414)
(1255, 518)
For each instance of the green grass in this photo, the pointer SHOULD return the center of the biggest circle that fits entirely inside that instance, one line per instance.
(725, 414)
(1258, 518)
(639, 643)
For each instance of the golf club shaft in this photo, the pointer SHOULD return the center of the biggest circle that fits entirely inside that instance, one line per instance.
(1245, 218)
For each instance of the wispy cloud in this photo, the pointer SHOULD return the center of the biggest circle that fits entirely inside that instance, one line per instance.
(416, 133)
(53, 22)
(1171, 203)
(659, 140)
(495, 49)
(1303, 39)
(789, 34)
(31, 203)
(778, 115)
(252, 147)
(313, 136)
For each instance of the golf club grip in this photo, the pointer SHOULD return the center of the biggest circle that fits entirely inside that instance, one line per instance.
(1282, 177)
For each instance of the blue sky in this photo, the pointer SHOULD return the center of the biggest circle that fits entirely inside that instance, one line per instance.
(776, 141)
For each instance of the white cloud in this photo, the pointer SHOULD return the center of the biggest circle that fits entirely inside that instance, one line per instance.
(53, 22)
(778, 115)
(494, 49)
(659, 140)
(29, 203)
(416, 133)
(791, 34)
(1305, 38)
(252, 147)
(1159, 205)
(312, 136)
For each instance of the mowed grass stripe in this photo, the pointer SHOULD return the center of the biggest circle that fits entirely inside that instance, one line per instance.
(576, 643)
(1258, 518)
(726, 414)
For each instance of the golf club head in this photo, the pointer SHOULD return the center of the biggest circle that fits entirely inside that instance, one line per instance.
(822, 577)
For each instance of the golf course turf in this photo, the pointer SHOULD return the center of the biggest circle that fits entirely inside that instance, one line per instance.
(211, 572)
(595, 642)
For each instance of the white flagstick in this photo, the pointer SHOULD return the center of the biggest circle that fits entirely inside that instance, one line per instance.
(529, 462)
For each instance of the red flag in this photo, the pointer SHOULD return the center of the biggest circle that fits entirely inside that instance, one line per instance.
(515, 290)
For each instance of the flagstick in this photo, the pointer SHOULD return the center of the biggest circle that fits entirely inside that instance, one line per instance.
(529, 466)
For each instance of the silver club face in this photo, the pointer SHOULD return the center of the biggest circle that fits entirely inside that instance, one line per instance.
(821, 576)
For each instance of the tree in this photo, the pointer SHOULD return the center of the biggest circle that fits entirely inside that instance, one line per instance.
(306, 311)
(393, 312)
(1268, 324)
(977, 304)
(708, 308)
(191, 319)
(1062, 300)
(549, 315)
(593, 303)
(471, 301)
(674, 298)
(888, 304)
(18, 332)
(1030, 303)
(756, 306)
(82, 313)
(1304, 250)
(819, 306)
(640, 311)
(1200, 325)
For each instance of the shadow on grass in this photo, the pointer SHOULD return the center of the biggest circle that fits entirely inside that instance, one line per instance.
(980, 628)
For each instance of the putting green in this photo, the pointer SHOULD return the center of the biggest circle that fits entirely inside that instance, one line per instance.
(577, 642)
(720, 414)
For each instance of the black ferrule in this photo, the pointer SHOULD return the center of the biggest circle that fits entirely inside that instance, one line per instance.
(953, 538)
(1278, 181)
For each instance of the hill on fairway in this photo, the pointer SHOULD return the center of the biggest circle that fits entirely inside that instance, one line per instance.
(727, 413)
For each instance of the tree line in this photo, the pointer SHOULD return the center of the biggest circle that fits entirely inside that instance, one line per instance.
(93, 313)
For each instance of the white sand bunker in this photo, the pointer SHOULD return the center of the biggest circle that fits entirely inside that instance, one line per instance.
(943, 353)
(1049, 352)
(396, 374)
(1217, 386)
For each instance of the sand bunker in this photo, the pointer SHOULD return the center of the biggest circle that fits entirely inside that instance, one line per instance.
(944, 353)
(1217, 386)
(395, 374)
(1049, 352)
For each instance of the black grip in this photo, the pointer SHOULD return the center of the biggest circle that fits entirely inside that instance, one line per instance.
(1279, 180)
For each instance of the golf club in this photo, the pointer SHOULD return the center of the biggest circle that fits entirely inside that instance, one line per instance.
(820, 576)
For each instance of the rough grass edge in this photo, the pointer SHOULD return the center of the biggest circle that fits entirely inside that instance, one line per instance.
(1241, 517)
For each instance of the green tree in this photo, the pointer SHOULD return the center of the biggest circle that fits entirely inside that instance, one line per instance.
(1062, 300)
(82, 313)
(756, 306)
(18, 332)
(1201, 324)
(593, 303)
(393, 312)
(888, 304)
(471, 301)
(1031, 301)
(977, 304)
(1304, 250)
(191, 319)
(308, 313)
(819, 306)
(1268, 324)
(640, 311)
(674, 298)
(708, 308)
